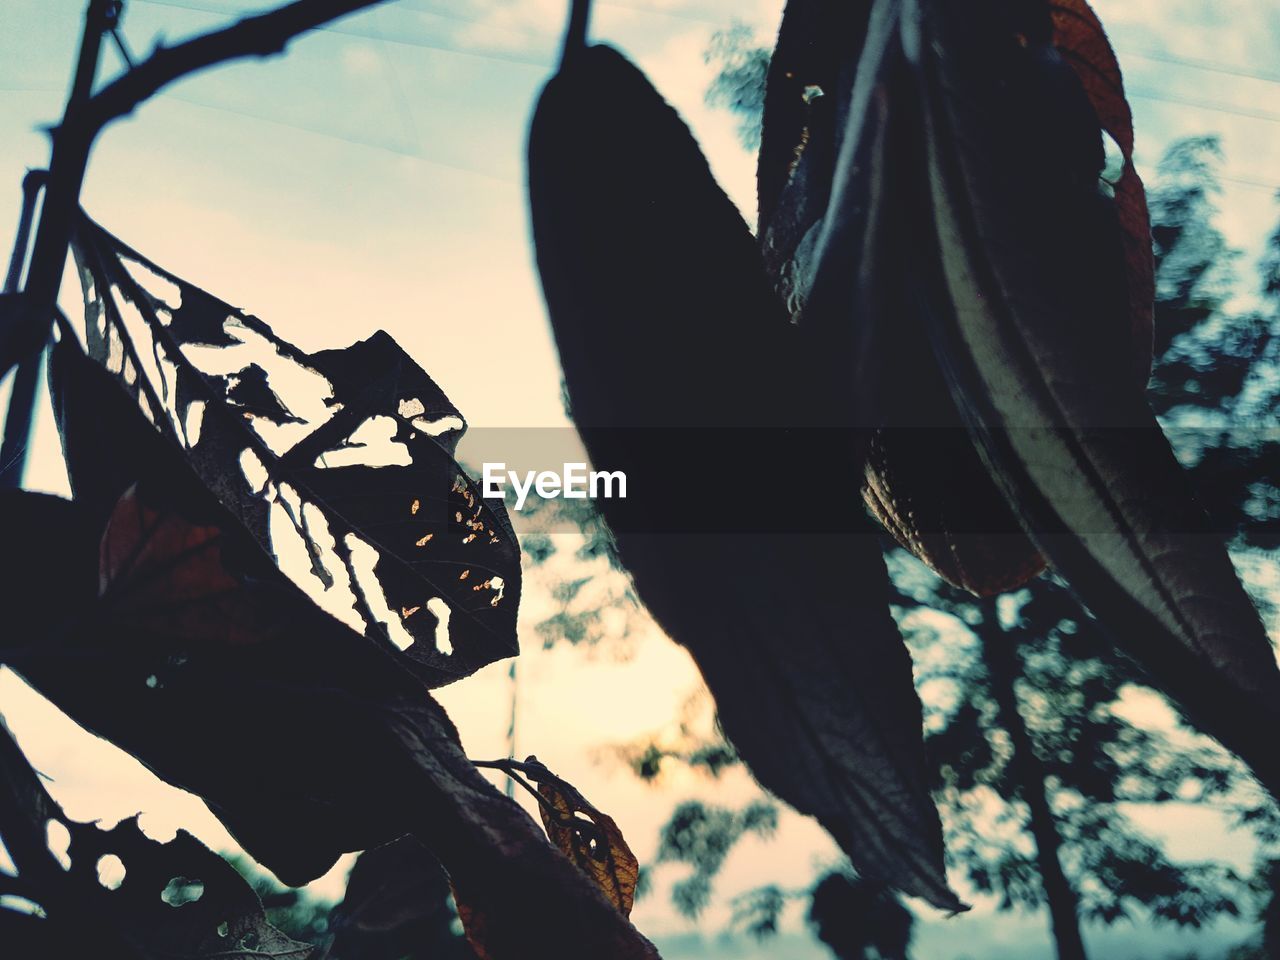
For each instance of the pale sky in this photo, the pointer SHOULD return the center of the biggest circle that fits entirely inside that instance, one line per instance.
(372, 178)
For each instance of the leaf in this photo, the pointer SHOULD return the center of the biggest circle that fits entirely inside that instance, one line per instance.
(1032, 325)
(586, 836)
(379, 757)
(682, 371)
(106, 897)
(355, 466)
(396, 905)
(838, 251)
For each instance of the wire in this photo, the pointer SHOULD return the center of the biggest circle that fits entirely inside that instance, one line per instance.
(355, 141)
(1193, 63)
(1212, 106)
(382, 39)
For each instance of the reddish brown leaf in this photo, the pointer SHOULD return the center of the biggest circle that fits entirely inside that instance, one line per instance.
(165, 576)
(1079, 36)
(586, 836)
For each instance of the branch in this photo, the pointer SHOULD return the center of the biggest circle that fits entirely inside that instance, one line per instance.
(261, 35)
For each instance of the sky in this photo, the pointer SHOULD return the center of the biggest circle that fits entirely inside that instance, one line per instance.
(372, 178)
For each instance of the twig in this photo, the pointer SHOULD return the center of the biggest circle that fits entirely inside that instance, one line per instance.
(19, 415)
(25, 334)
(32, 184)
(575, 33)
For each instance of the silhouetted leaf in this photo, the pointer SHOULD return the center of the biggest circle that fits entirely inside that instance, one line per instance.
(854, 918)
(396, 906)
(346, 455)
(681, 367)
(379, 758)
(104, 895)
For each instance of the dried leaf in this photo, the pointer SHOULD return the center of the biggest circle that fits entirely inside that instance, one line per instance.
(105, 897)
(346, 454)
(1034, 333)
(679, 366)
(586, 836)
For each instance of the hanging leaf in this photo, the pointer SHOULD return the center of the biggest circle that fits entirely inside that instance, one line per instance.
(841, 110)
(586, 836)
(344, 456)
(115, 892)
(1033, 324)
(682, 369)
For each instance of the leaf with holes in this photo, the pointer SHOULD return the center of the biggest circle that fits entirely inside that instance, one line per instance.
(586, 836)
(116, 892)
(1034, 327)
(340, 461)
(379, 759)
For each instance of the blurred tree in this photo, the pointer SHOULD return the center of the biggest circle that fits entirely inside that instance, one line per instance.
(739, 82)
(295, 912)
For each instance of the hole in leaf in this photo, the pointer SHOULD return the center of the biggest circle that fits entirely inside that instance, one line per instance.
(292, 554)
(255, 474)
(111, 871)
(11, 901)
(441, 610)
(434, 428)
(372, 444)
(1113, 160)
(192, 421)
(223, 929)
(250, 940)
(364, 560)
(180, 891)
(153, 682)
(115, 350)
(162, 287)
(7, 866)
(58, 839)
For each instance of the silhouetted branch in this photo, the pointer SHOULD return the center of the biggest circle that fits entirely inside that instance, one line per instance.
(24, 333)
(261, 35)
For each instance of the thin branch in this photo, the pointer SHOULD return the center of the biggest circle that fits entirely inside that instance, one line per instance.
(24, 334)
(575, 34)
(262, 35)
